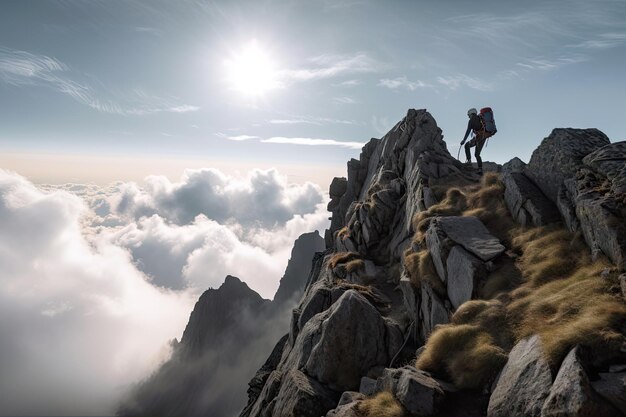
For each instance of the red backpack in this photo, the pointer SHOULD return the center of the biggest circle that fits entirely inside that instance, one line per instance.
(489, 122)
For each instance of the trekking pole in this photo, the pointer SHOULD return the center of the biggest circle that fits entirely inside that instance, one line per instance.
(458, 154)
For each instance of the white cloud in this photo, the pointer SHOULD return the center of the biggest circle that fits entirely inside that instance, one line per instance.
(329, 66)
(90, 294)
(344, 100)
(263, 198)
(320, 121)
(456, 81)
(348, 83)
(543, 64)
(402, 82)
(314, 142)
(238, 138)
(21, 68)
(603, 41)
(77, 313)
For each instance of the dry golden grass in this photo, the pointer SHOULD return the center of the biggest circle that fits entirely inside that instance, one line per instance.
(470, 350)
(382, 404)
(343, 233)
(579, 309)
(367, 291)
(505, 277)
(355, 265)
(342, 258)
(420, 268)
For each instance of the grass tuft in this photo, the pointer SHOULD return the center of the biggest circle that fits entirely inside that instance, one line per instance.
(420, 268)
(342, 258)
(382, 404)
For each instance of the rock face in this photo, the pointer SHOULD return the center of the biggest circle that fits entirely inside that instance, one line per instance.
(572, 394)
(526, 202)
(524, 382)
(560, 156)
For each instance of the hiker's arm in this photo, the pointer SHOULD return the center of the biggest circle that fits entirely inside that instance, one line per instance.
(467, 132)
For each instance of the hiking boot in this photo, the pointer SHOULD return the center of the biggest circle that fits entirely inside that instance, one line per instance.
(468, 162)
(480, 171)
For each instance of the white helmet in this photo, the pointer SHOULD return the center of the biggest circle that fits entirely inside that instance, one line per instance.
(471, 111)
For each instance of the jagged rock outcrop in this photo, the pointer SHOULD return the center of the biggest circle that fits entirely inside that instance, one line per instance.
(560, 155)
(364, 308)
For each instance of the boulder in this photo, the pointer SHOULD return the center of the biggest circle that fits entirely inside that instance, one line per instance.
(464, 273)
(526, 202)
(571, 394)
(524, 382)
(346, 410)
(414, 389)
(612, 387)
(470, 233)
(514, 165)
(610, 162)
(303, 396)
(340, 345)
(338, 187)
(560, 155)
(368, 386)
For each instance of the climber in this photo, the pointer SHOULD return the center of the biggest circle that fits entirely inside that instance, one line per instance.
(476, 125)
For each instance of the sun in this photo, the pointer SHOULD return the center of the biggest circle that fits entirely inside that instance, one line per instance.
(251, 70)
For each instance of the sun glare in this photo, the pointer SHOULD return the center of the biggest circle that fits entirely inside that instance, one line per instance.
(251, 70)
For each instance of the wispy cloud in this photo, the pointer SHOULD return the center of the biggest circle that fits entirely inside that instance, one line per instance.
(402, 82)
(604, 41)
(344, 100)
(456, 81)
(543, 64)
(348, 83)
(21, 68)
(319, 121)
(328, 66)
(314, 142)
(238, 138)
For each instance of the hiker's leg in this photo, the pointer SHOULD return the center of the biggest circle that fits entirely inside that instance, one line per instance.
(468, 145)
(480, 142)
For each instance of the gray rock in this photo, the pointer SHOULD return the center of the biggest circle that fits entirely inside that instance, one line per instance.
(339, 346)
(301, 395)
(418, 393)
(622, 284)
(433, 311)
(416, 390)
(524, 382)
(472, 234)
(603, 231)
(338, 187)
(560, 155)
(526, 202)
(565, 204)
(610, 161)
(349, 397)
(368, 386)
(514, 165)
(464, 273)
(612, 386)
(439, 248)
(571, 394)
(346, 410)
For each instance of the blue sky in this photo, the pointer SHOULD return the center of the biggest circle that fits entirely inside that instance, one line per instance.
(148, 82)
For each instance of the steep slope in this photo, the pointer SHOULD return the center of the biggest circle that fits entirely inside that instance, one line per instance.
(423, 253)
(229, 334)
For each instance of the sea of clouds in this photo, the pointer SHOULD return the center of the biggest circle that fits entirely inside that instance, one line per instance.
(94, 281)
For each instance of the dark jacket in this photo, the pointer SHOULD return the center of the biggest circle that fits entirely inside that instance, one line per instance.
(474, 124)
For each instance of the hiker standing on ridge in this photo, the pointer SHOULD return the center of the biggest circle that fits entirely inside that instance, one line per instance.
(476, 125)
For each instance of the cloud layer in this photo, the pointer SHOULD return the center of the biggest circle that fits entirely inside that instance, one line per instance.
(95, 281)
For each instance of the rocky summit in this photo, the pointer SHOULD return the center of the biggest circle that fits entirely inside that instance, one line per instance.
(446, 293)
(439, 292)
